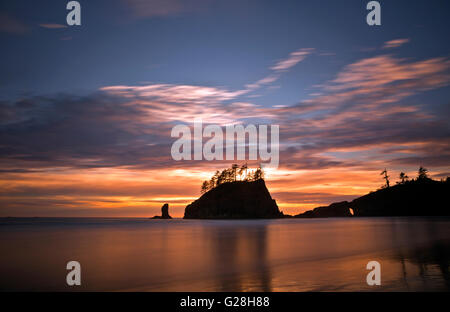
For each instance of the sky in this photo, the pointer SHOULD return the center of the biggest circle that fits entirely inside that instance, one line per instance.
(86, 111)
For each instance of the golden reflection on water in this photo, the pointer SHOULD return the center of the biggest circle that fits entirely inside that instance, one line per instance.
(195, 255)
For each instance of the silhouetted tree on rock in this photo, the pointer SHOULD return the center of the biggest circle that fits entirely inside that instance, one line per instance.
(386, 177)
(403, 178)
(422, 173)
(230, 175)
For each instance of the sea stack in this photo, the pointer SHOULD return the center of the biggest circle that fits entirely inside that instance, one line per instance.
(235, 200)
(164, 213)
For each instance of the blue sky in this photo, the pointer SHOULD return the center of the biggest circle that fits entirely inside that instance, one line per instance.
(208, 43)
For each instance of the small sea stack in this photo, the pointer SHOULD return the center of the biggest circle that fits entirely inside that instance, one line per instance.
(164, 213)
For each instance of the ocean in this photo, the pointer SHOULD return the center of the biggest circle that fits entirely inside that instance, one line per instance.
(137, 254)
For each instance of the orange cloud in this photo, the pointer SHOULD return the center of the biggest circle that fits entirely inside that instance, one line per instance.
(293, 59)
(53, 26)
(395, 43)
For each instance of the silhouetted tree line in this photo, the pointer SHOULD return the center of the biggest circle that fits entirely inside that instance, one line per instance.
(235, 173)
(422, 175)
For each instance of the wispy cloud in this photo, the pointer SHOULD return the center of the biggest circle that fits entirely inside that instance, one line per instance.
(378, 75)
(202, 94)
(357, 111)
(293, 59)
(395, 43)
(184, 103)
(53, 26)
(176, 93)
(280, 67)
(362, 114)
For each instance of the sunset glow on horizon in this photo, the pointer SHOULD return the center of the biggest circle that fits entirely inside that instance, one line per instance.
(141, 193)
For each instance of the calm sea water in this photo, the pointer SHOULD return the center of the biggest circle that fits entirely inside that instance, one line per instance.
(251, 255)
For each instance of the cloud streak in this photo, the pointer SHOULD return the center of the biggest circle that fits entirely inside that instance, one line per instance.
(280, 67)
(53, 26)
(395, 43)
(293, 59)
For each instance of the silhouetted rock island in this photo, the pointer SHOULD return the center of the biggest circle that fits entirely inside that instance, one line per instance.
(164, 213)
(421, 197)
(235, 200)
(340, 209)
